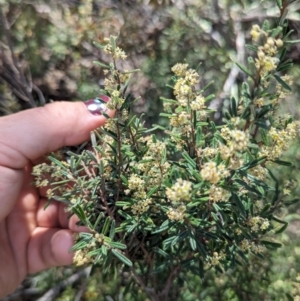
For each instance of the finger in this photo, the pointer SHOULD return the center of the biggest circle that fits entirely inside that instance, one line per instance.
(30, 134)
(56, 216)
(49, 248)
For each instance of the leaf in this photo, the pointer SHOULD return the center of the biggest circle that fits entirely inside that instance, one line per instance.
(276, 31)
(113, 43)
(279, 3)
(282, 82)
(98, 45)
(122, 204)
(284, 163)
(266, 25)
(101, 64)
(239, 203)
(201, 270)
(271, 244)
(248, 187)
(280, 230)
(234, 106)
(291, 202)
(124, 180)
(100, 216)
(243, 68)
(284, 67)
(251, 47)
(292, 42)
(122, 257)
(193, 243)
(95, 252)
(106, 225)
(186, 156)
(79, 212)
(163, 227)
(112, 229)
(152, 191)
(104, 250)
(117, 245)
(131, 71)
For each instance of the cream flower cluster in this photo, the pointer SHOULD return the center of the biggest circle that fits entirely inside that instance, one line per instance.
(257, 223)
(176, 214)
(259, 172)
(184, 87)
(236, 140)
(266, 60)
(247, 245)
(117, 52)
(280, 140)
(215, 259)
(136, 185)
(141, 206)
(218, 194)
(81, 257)
(180, 191)
(212, 173)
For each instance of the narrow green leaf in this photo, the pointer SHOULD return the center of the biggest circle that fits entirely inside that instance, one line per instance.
(79, 212)
(123, 204)
(193, 243)
(113, 43)
(98, 45)
(279, 3)
(112, 229)
(101, 64)
(104, 250)
(122, 257)
(186, 156)
(163, 227)
(117, 245)
(292, 42)
(243, 68)
(125, 181)
(131, 71)
(251, 47)
(271, 244)
(284, 163)
(282, 83)
(291, 202)
(281, 229)
(162, 252)
(264, 137)
(106, 226)
(152, 191)
(100, 216)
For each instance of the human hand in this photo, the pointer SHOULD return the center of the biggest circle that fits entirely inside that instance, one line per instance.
(33, 239)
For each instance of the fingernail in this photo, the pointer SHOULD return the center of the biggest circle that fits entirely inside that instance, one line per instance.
(96, 105)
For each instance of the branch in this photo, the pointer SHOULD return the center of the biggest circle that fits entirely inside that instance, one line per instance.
(235, 71)
(54, 292)
(14, 65)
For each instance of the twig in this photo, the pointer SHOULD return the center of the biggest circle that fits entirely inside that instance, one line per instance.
(235, 71)
(53, 292)
(164, 293)
(39, 94)
(29, 292)
(15, 64)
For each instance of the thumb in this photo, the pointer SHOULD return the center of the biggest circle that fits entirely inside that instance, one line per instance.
(30, 134)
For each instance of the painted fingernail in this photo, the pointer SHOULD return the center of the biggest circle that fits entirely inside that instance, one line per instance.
(96, 105)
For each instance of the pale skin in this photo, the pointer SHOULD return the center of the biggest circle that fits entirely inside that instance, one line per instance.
(33, 239)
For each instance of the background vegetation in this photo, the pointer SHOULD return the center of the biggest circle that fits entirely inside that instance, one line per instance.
(46, 54)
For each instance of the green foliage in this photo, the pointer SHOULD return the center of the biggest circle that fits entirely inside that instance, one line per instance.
(202, 199)
(60, 55)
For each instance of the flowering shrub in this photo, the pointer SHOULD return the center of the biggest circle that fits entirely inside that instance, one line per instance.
(197, 197)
